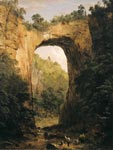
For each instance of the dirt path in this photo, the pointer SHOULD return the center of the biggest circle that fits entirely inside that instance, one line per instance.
(39, 142)
(47, 121)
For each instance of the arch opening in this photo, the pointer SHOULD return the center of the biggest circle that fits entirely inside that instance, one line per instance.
(75, 64)
(54, 53)
(49, 83)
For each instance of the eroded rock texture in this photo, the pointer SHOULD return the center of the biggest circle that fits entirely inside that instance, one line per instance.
(74, 38)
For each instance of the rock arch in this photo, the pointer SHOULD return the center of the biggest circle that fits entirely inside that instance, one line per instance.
(74, 38)
(73, 55)
(75, 61)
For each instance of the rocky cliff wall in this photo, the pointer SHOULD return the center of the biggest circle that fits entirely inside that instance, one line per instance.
(73, 37)
(17, 41)
(27, 42)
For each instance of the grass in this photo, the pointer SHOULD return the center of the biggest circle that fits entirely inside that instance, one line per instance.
(47, 121)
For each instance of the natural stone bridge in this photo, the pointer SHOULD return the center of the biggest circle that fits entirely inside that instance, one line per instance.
(74, 38)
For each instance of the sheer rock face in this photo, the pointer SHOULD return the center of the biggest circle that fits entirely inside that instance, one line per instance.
(74, 38)
(17, 41)
(8, 31)
(27, 42)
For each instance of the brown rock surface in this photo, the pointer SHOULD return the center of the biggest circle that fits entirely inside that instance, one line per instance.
(73, 37)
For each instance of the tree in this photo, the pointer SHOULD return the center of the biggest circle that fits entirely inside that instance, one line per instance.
(39, 23)
(28, 25)
(37, 18)
(76, 14)
(21, 12)
(13, 95)
(81, 11)
(51, 100)
(105, 2)
(52, 94)
(95, 82)
(95, 86)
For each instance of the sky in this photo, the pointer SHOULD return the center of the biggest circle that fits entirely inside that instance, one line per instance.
(55, 53)
(48, 9)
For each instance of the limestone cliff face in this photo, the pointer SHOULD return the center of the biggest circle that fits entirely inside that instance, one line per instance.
(17, 41)
(78, 31)
(8, 31)
(73, 37)
(27, 42)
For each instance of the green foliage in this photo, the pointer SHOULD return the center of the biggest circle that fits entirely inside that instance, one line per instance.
(81, 11)
(42, 25)
(39, 23)
(53, 93)
(52, 74)
(95, 85)
(21, 12)
(75, 15)
(28, 25)
(95, 82)
(101, 22)
(37, 18)
(13, 94)
(51, 100)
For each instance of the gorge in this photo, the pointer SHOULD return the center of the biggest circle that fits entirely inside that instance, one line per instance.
(87, 112)
(20, 44)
